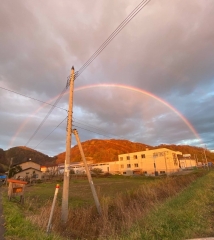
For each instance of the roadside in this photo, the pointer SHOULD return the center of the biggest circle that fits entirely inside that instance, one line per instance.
(2, 222)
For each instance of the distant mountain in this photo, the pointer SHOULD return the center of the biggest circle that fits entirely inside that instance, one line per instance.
(103, 150)
(108, 150)
(21, 154)
(95, 150)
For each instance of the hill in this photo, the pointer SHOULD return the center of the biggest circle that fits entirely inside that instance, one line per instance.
(21, 154)
(103, 150)
(108, 150)
(95, 150)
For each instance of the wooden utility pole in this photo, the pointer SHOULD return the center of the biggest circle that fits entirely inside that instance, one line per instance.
(206, 159)
(88, 173)
(65, 192)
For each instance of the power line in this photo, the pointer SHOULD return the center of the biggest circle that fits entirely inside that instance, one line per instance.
(100, 49)
(47, 115)
(113, 35)
(33, 98)
(90, 131)
(50, 132)
(91, 59)
(96, 128)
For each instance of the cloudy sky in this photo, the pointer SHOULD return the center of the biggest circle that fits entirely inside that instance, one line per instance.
(153, 83)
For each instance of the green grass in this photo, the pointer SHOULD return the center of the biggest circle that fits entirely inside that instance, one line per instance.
(80, 192)
(188, 215)
(17, 227)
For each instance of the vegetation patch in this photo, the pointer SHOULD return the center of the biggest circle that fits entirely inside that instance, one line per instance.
(188, 215)
(119, 213)
(20, 228)
(178, 207)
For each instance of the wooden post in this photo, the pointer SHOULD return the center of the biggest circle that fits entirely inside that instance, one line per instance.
(88, 173)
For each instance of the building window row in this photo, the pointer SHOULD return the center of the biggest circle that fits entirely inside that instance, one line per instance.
(134, 157)
(129, 165)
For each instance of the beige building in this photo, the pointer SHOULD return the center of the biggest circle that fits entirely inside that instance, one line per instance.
(29, 170)
(151, 162)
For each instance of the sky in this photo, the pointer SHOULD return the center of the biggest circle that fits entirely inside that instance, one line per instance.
(153, 83)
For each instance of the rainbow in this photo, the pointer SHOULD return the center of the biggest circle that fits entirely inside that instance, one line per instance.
(188, 124)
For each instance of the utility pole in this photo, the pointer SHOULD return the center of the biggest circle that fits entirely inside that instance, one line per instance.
(11, 162)
(65, 192)
(88, 173)
(206, 159)
(196, 158)
(165, 163)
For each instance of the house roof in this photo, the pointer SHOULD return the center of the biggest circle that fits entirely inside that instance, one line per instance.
(28, 169)
(26, 162)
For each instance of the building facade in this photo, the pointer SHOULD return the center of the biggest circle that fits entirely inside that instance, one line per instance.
(30, 169)
(149, 162)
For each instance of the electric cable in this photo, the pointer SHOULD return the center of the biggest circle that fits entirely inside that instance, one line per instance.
(91, 59)
(33, 98)
(96, 128)
(113, 35)
(47, 115)
(90, 131)
(50, 132)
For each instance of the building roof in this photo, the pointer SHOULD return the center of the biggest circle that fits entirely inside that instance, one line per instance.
(25, 162)
(28, 169)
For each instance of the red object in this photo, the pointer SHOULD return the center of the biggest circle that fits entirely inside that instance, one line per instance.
(16, 181)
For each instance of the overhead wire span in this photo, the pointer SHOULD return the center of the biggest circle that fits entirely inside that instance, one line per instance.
(90, 131)
(96, 128)
(100, 49)
(91, 59)
(35, 99)
(47, 115)
(114, 34)
(50, 132)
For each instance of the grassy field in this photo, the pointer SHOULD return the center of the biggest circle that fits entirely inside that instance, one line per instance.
(80, 192)
(180, 214)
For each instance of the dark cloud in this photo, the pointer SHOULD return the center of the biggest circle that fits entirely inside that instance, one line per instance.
(167, 49)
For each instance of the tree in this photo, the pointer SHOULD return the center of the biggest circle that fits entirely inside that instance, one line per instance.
(14, 170)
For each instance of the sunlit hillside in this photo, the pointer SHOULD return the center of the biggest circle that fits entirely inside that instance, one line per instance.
(108, 150)
(95, 150)
(102, 150)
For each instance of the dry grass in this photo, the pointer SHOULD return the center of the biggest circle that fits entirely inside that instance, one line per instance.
(118, 213)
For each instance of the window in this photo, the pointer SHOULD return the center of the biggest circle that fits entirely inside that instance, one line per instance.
(121, 158)
(162, 172)
(128, 165)
(135, 156)
(128, 157)
(136, 164)
(143, 156)
(145, 172)
(122, 166)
